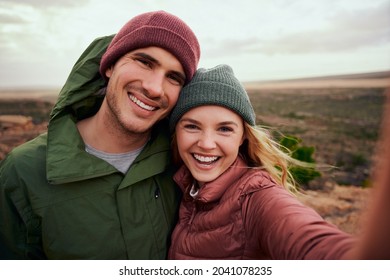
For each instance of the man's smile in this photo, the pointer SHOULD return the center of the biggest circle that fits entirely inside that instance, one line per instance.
(141, 104)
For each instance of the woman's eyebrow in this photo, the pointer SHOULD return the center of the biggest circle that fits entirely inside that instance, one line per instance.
(186, 119)
(228, 123)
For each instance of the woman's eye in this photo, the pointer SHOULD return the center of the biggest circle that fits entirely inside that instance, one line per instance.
(190, 126)
(225, 129)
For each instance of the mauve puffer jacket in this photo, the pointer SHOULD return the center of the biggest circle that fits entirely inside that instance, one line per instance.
(244, 214)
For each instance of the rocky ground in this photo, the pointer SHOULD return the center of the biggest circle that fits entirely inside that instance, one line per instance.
(343, 206)
(18, 134)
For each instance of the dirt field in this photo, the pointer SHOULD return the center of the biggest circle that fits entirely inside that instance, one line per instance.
(343, 206)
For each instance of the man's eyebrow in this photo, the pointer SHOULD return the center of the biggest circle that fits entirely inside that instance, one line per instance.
(148, 57)
(155, 61)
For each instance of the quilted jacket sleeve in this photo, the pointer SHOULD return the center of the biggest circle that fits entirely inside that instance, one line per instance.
(286, 229)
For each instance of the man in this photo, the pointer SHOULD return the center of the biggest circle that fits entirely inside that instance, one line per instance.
(99, 184)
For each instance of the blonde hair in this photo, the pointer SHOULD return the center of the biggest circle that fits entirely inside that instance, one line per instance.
(261, 150)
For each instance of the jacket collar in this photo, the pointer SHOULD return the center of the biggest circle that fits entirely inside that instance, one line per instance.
(67, 161)
(212, 191)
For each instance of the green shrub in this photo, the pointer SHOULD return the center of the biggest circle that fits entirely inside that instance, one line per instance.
(302, 153)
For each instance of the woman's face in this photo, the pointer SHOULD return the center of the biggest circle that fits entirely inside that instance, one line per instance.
(208, 139)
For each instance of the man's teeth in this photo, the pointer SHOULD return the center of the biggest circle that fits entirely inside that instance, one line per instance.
(205, 159)
(141, 104)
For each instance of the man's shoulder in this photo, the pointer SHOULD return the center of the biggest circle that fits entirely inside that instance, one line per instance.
(29, 151)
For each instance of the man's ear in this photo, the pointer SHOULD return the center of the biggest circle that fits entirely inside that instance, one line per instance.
(109, 71)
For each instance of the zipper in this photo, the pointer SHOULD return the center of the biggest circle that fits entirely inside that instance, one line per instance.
(192, 214)
(157, 193)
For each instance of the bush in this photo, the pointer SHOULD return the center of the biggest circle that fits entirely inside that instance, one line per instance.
(302, 153)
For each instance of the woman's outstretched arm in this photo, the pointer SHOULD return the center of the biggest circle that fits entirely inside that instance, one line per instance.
(375, 241)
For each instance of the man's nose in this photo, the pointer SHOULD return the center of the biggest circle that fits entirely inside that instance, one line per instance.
(154, 84)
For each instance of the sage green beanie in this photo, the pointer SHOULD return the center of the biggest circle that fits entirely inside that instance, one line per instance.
(214, 86)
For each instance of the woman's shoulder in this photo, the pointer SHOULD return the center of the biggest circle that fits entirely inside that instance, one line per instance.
(256, 179)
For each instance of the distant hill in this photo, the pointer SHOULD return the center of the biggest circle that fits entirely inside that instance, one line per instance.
(372, 75)
(43, 94)
(360, 80)
(369, 75)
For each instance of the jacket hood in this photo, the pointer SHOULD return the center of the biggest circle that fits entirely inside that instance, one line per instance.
(80, 93)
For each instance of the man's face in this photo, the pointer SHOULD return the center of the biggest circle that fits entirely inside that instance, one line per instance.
(143, 87)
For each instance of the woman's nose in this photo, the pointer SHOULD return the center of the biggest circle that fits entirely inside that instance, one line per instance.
(207, 141)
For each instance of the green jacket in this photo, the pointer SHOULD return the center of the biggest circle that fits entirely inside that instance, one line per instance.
(59, 202)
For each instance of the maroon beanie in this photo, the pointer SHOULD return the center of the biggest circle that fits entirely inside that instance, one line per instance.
(159, 29)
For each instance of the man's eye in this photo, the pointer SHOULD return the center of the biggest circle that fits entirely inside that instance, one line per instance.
(176, 79)
(145, 62)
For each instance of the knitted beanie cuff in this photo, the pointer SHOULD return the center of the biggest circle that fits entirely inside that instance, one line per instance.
(215, 86)
(159, 29)
(148, 36)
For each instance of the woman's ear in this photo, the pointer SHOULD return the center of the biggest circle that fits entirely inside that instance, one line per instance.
(243, 139)
(244, 133)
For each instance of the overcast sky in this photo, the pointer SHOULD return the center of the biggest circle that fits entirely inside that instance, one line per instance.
(261, 39)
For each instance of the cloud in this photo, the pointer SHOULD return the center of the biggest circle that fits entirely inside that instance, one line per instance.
(344, 31)
(43, 38)
(47, 3)
(11, 19)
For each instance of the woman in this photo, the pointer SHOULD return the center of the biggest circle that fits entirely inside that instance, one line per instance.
(237, 201)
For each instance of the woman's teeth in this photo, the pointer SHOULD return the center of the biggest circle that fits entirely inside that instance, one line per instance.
(204, 159)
